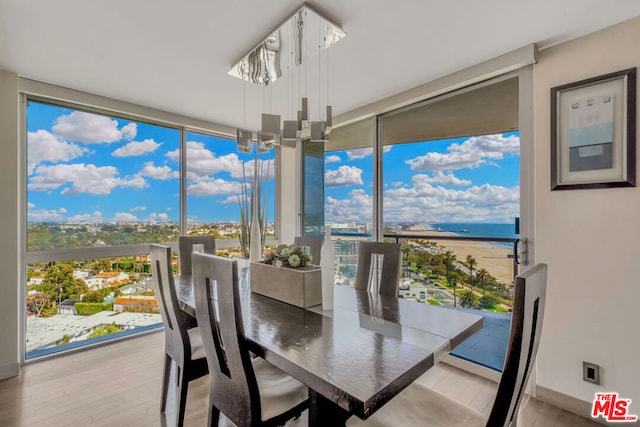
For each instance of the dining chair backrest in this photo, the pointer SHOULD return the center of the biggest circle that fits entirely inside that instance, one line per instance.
(234, 390)
(378, 268)
(314, 244)
(176, 336)
(186, 245)
(524, 338)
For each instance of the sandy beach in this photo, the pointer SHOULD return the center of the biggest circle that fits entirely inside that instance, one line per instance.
(490, 257)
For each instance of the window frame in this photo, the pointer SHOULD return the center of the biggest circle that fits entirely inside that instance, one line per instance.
(29, 90)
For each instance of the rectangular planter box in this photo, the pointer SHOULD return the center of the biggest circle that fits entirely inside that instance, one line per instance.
(299, 287)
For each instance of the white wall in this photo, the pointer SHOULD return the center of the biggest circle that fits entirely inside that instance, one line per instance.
(589, 238)
(9, 224)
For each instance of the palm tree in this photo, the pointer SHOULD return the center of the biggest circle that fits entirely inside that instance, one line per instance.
(482, 274)
(454, 282)
(471, 262)
(467, 299)
(449, 260)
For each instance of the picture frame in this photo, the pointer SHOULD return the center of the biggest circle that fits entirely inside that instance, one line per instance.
(593, 132)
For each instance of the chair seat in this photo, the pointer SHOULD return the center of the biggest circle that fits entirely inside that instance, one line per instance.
(418, 405)
(197, 349)
(279, 392)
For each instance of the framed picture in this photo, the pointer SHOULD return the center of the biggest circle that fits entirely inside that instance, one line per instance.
(593, 132)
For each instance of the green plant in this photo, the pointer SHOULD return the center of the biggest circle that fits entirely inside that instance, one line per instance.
(291, 256)
(102, 330)
(89, 308)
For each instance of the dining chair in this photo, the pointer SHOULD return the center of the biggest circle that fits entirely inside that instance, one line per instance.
(314, 244)
(186, 245)
(420, 405)
(250, 392)
(378, 268)
(182, 346)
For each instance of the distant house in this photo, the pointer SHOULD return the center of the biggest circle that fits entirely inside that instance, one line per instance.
(80, 274)
(36, 280)
(120, 303)
(107, 279)
(68, 307)
(411, 290)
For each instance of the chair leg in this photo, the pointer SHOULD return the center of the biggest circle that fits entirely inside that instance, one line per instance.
(214, 415)
(165, 381)
(183, 384)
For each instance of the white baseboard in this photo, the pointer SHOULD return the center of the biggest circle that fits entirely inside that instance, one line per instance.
(566, 402)
(8, 371)
(542, 394)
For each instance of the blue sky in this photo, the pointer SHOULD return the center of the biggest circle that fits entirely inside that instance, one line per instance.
(88, 167)
(472, 179)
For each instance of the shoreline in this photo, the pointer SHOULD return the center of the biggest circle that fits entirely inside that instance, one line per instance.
(491, 257)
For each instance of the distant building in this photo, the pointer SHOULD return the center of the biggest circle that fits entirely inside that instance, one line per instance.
(80, 274)
(120, 303)
(411, 290)
(68, 307)
(36, 280)
(107, 279)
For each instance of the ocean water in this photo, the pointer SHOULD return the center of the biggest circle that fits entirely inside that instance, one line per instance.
(475, 229)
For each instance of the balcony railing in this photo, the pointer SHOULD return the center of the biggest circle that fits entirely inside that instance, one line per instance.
(461, 272)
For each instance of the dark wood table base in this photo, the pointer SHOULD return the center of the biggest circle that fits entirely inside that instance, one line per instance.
(323, 412)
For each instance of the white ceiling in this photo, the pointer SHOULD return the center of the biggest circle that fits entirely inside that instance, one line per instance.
(174, 55)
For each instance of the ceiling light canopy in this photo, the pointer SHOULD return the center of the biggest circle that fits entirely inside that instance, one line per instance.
(263, 64)
(304, 35)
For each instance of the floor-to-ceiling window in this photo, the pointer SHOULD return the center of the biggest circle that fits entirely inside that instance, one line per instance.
(346, 166)
(451, 171)
(218, 177)
(447, 187)
(100, 187)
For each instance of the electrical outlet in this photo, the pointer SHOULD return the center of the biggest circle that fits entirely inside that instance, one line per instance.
(591, 372)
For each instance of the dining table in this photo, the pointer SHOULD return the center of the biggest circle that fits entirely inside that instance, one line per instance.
(353, 358)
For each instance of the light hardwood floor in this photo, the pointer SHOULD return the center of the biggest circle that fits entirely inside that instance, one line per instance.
(119, 385)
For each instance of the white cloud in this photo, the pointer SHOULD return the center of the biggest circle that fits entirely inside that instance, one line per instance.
(440, 177)
(30, 205)
(158, 217)
(95, 216)
(203, 163)
(138, 208)
(125, 217)
(438, 204)
(214, 187)
(90, 128)
(45, 147)
(344, 175)
(136, 148)
(158, 172)
(471, 153)
(359, 153)
(357, 208)
(129, 131)
(83, 179)
(423, 201)
(44, 215)
(233, 199)
(332, 159)
(135, 182)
